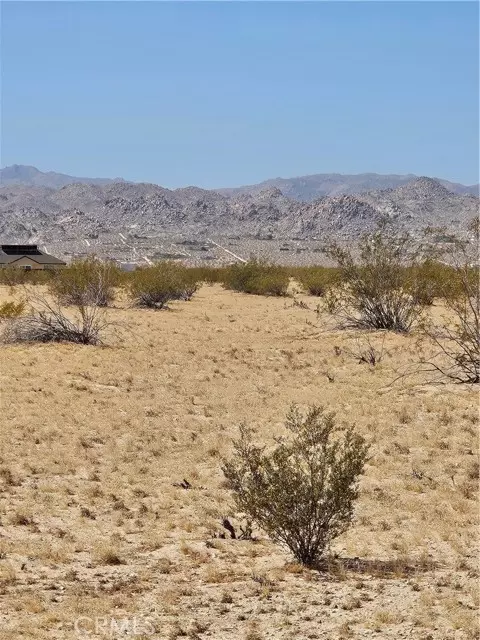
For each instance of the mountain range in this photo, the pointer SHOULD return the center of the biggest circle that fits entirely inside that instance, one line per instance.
(303, 188)
(114, 213)
(308, 188)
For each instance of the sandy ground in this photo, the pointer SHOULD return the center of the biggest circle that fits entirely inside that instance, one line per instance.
(96, 539)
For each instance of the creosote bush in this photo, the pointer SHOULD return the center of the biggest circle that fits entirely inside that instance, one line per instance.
(85, 282)
(13, 276)
(378, 290)
(256, 277)
(433, 279)
(302, 492)
(457, 337)
(208, 275)
(316, 280)
(154, 287)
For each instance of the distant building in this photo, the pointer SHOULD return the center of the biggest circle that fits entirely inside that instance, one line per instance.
(28, 257)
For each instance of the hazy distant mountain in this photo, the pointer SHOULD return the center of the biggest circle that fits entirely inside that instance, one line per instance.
(32, 177)
(303, 188)
(309, 188)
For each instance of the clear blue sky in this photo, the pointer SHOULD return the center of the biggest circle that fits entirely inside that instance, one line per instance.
(222, 94)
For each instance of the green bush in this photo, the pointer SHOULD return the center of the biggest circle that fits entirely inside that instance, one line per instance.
(154, 287)
(378, 289)
(301, 493)
(256, 277)
(316, 280)
(432, 279)
(13, 276)
(209, 275)
(89, 281)
(457, 337)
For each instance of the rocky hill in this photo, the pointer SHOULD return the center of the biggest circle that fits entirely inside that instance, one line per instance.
(83, 209)
(126, 220)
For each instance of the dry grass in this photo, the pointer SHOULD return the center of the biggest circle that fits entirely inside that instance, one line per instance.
(96, 444)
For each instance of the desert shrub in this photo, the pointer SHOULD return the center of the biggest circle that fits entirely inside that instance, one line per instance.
(154, 287)
(256, 277)
(48, 322)
(316, 280)
(457, 337)
(11, 310)
(376, 292)
(302, 492)
(208, 275)
(269, 284)
(431, 279)
(39, 276)
(423, 282)
(88, 281)
(13, 276)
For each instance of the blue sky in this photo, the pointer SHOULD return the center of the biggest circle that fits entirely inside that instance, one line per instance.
(221, 94)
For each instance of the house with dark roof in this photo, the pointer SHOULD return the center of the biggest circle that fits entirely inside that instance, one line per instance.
(28, 257)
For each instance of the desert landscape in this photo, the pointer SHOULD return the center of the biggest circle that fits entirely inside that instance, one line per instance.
(239, 320)
(112, 498)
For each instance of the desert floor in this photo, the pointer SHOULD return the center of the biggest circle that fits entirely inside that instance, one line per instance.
(96, 539)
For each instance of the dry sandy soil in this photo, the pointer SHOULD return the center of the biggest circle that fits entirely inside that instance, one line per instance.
(94, 440)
